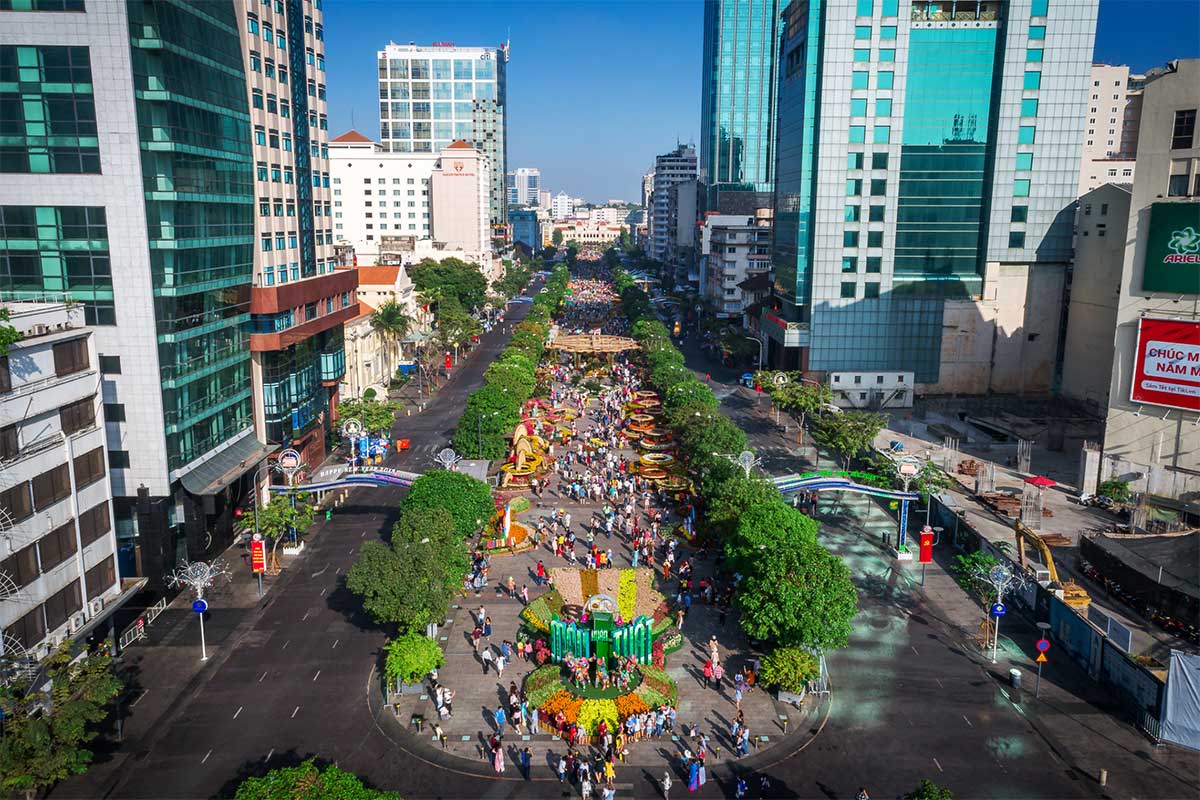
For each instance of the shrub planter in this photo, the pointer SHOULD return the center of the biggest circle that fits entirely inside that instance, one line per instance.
(791, 698)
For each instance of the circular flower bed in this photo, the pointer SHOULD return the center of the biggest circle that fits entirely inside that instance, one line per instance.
(548, 691)
(657, 459)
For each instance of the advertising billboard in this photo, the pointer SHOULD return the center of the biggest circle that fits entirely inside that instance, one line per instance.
(1173, 249)
(1166, 364)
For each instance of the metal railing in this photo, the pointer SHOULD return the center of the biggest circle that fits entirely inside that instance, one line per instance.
(135, 631)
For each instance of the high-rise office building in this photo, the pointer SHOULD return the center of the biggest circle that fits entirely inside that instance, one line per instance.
(131, 164)
(523, 185)
(927, 153)
(737, 104)
(1114, 113)
(671, 168)
(298, 302)
(432, 96)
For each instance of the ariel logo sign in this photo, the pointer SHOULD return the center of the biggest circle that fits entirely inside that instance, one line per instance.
(1184, 246)
(1173, 249)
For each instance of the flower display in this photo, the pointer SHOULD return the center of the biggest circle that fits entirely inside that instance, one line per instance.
(658, 680)
(627, 594)
(608, 580)
(541, 610)
(592, 712)
(630, 704)
(565, 702)
(543, 683)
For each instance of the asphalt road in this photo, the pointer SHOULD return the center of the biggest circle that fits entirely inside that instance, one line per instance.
(908, 702)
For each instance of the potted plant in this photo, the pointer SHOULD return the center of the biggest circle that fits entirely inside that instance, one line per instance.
(408, 659)
(789, 669)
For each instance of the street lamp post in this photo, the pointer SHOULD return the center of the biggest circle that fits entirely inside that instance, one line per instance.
(1003, 579)
(745, 459)
(199, 576)
(758, 342)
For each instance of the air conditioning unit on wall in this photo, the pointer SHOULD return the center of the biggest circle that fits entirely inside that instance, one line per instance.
(75, 623)
(95, 605)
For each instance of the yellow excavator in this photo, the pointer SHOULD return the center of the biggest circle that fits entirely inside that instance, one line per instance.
(1073, 594)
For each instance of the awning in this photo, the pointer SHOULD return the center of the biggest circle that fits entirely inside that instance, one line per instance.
(226, 466)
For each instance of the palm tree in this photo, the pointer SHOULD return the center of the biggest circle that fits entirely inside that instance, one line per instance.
(390, 322)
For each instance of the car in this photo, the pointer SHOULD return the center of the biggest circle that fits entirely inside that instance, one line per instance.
(747, 380)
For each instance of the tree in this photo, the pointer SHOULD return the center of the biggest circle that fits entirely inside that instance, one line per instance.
(392, 324)
(375, 416)
(762, 529)
(450, 278)
(556, 238)
(468, 500)
(928, 790)
(848, 433)
(46, 736)
(283, 514)
(307, 781)
(796, 397)
(789, 668)
(454, 325)
(1115, 488)
(729, 499)
(8, 334)
(409, 658)
(800, 596)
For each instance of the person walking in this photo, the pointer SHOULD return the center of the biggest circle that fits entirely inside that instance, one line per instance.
(440, 734)
(666, 785)
(708, 673)
(524, 594)
(562, 769)
(476, 635)
(486, 657)
(739, 790)
(449, 699)
(500, 718)
(501, 663)
(487, 628)
(498, 759)
(526, 761)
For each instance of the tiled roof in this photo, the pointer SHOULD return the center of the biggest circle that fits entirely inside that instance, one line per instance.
(364, 310)
(351, 136)
(459, 144)
(756, 283)
(378, 276)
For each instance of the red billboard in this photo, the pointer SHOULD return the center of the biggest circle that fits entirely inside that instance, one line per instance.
(258, 556)
(1166, 364)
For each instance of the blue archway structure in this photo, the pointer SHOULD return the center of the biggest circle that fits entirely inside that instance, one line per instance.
(348, 477)
(844, 481)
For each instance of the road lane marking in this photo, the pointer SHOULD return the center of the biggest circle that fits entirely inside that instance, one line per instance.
(206, 755)
(304, 617)
(351, 551)
(260, 677)
(335, 644)
(939, 683)
(268, 758)
(364, 535)
(139, 698)
(323, 591)
(939, 766)
(969, 725)
(317, 675)
(235, 714)
(321, 572)
(294, 712)
(285, 644)
(914, 649)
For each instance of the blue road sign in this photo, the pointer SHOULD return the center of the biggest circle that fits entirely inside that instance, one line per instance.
(1043, 645)
(200, 606)
(998, 610)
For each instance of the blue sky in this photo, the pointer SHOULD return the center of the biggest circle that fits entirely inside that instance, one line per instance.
(596, 89)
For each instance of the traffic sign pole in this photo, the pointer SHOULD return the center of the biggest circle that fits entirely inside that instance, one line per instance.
(1043, 645)
(200, 605)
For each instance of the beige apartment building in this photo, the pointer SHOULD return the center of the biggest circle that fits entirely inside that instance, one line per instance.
(1111, 135)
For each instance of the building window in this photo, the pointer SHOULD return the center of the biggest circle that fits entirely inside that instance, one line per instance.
(100, 577)
(1019, 214)
(874, 265)
(89, 467)
(22, 566)
(114, 412)
(854, 187)
(1029, 107)
(1184, 129)
(1016, 238)
(1034, 55)
(77, 416)
(854, 161)
(848, 289)
(1033, 79)
(879, 160)
(862, 54)
(849, 264)
(870, 290)
(852, 213)
(862, 32)
(1039, 8)
(874, 238)
(50, 487)
(1024, 160)
(1021, 187)
(1177, 186)
(887, 54)
(883, 107)
(850, 238)
(9, 443)
(110, 365)
(70, 357)
(859, 79)
(883, 134)
(878, 187)
(864, 8)
(118, 459)
(887, 32)
(1026, 134)
(858, 107)
(18, 501)
(885, 79)
(57, 546)
(858, 134)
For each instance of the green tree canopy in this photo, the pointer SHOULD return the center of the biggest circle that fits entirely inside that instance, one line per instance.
(375, 415)
(450, 278)
(409, 658)
(468, 500)
(307, 781)
(392, 323)
(46, 738)
(848, 433)
(454, 325)
(789, 668)
(796, 397)
(762, 529)
(800, 596)
(928, 790)
(280, 515)
(8, 334)
(729, 499)
(556, 237)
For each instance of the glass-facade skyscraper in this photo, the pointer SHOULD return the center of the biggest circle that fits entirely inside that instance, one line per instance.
(737, 105)
(923, 150)
(431, 96)
(127, 184)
